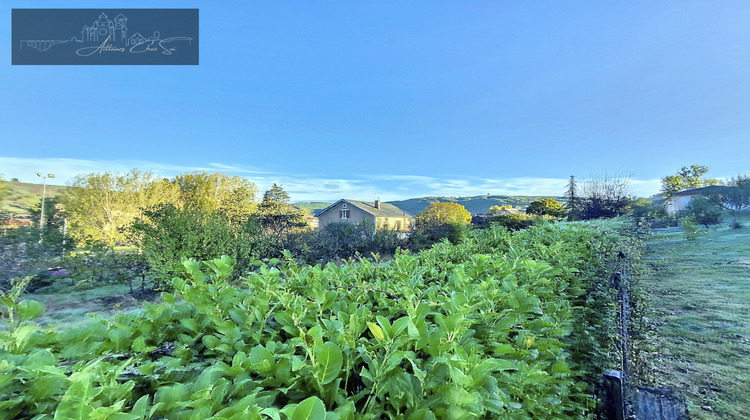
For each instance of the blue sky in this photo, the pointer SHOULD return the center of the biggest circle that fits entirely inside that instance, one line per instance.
(401, 99)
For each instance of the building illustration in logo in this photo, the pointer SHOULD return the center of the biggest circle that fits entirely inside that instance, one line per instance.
(116, 29)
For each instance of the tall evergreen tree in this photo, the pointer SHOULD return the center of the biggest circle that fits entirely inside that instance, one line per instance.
(572, 206)
(277, 217)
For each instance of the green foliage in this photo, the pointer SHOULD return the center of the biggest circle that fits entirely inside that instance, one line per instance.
(572, 205)
(692, 231)
(22, 253)
(475, 205)
(168, 234)
(734, 197)
(217, 192)
(517, 221)
(437, 222)
(4, 189)
(342, 240)
(279, 219)
(546, 206)
(687, 177)
(702, 211)
(101, 205)
(438, 213)
(654, 214)
(424, 237)
(643, 207)
(499, 326)
(387, 241)
(98, 265)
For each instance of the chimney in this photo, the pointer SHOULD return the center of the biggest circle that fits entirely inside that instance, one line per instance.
(377, 204)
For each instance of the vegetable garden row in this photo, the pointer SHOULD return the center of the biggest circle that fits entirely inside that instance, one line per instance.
(499, 326)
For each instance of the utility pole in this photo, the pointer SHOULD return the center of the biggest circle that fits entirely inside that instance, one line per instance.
(44, 190)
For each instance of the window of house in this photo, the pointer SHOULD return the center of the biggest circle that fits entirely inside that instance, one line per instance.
(345, 213)
(398, 225)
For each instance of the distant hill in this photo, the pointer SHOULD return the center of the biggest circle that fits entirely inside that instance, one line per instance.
(476, 205)
(312, 207)
(24, 195)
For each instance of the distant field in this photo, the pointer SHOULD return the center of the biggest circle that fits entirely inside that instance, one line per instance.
(699, 295)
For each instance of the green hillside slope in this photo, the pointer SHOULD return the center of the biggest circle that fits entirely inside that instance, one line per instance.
(476, 205)
(24, 195)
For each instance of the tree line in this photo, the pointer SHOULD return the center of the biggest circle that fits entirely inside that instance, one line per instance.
(201, 215)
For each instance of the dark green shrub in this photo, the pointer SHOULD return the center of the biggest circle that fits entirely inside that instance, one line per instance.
(702, 211)
(516, 221)
(386, 241)
(424, 237)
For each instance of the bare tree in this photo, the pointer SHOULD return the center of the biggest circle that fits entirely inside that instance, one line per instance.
(605, 196)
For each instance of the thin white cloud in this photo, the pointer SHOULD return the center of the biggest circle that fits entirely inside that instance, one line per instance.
(387, 187)
(237, 168)
(401, 178)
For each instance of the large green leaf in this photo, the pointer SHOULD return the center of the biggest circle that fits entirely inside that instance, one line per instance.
(76, 403)
(310, 409)
(261, 359)
(22, 335)
(328, 362)
(29, 309)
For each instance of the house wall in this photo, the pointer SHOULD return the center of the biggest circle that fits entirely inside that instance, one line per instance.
(333, 215)
(678, 202)
(312, 222)
(401, 224)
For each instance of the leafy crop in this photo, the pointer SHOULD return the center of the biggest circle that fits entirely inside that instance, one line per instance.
(499, 326)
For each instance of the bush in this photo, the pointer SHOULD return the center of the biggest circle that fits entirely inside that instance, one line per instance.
(546, 206)
(692, 231)
(23, 254)
(386, 241)
(341, 240)
(498, 326)
(655, 215)
(515, 222)
(702, 211)
(168, 234)
(424, 237)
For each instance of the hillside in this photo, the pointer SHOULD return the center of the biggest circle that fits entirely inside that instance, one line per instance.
(312, 207)
(476, 205)
(24, 196)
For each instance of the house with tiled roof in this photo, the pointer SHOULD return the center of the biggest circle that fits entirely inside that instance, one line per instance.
(380, 215)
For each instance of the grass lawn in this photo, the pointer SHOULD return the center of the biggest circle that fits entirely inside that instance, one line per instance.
(699, 298)
(68, 306)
